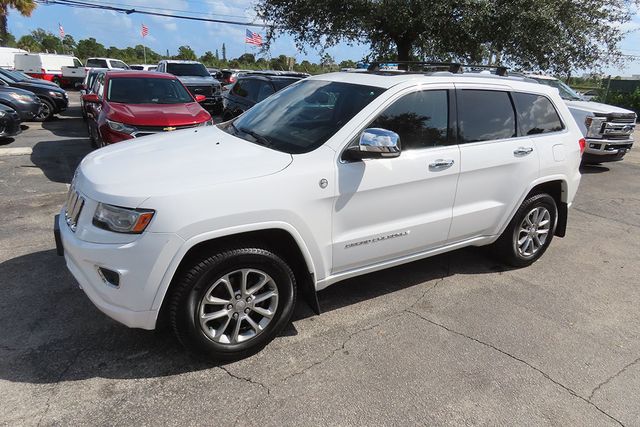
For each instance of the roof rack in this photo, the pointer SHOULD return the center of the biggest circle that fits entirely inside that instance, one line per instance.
(452, 67)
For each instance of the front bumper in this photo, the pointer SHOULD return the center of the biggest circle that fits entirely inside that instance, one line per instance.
(606, 150)
(141, 265)
(60, 104)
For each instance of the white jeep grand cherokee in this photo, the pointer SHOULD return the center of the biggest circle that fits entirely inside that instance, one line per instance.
(216, 230)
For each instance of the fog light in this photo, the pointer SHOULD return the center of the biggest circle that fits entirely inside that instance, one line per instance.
(110, 277)
(596, 146)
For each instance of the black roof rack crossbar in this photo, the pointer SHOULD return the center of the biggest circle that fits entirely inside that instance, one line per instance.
(453, 67)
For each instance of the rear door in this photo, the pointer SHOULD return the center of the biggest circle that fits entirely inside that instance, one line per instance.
(496, 164)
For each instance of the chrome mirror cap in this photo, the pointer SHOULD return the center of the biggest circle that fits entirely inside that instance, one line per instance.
(376, 143)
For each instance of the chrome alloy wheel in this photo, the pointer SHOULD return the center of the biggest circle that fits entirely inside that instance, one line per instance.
(533, 231)
(44, 113)
(238, 306)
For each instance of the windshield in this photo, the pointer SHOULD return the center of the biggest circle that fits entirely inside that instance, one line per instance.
(565, 91)
(303, 116)
(8, 75)
(182, 69)
(145, 90)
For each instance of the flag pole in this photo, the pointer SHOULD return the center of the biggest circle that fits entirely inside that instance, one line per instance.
(144, 51)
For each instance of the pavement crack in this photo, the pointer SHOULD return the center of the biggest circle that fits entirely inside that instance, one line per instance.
(56, 384)
(245, 379)
(611, 378)
(340, 347)
(516, 358)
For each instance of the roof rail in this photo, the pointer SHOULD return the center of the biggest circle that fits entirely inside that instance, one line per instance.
(453, 67)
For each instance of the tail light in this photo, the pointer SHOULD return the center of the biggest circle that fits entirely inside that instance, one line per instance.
(583, 144)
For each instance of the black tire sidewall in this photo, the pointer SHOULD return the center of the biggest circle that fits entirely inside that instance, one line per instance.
(199, 283)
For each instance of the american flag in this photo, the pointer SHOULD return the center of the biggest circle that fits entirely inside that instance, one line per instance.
(144, 31)
(253, 38)
(61, 30)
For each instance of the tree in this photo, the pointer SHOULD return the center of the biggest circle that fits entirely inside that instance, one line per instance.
(224, 52)
(208, 58)
(347, 64)
(185, 52)
(29, 43)
(69, 43)
(48, 41)
(87, 48)
(24, 7)
(542, 34)
(217, 56)
(247, 58)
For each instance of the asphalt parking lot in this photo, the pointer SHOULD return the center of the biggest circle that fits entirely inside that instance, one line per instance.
(455, 339)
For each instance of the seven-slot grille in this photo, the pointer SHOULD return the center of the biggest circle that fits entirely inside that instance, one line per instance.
(75, 203)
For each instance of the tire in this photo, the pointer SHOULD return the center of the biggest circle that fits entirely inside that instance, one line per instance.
(46, 112)
(521, 244)
(236, 326)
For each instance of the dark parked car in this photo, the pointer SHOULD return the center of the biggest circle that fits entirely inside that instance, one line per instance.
(53, 99)
(197, 80)
(252, 88)
(86, 87)
(9, 122)
(25, 103)
(26, 78)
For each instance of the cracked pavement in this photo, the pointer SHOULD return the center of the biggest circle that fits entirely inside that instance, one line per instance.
(455, 339)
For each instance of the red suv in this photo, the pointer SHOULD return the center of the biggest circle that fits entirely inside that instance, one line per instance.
(130, 104)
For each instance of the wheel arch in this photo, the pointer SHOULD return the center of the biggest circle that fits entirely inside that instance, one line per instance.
(284, 242)
(556, 188)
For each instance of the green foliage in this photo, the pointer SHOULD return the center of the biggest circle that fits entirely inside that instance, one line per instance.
(630, 101)
(186, 53)
(553, 35)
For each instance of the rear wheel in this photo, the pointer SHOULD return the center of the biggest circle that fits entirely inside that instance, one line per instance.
(529, 233)
(231, 304)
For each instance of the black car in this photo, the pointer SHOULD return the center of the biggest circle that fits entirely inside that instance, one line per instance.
(26, 78)
(252, 88)
(9, 122)
(25, 103)
(54, 99)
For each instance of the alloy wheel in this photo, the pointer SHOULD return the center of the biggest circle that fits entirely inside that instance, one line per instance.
(533, 231)
(238, 306)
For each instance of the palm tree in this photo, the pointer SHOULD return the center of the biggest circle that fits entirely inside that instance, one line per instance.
(25, 7)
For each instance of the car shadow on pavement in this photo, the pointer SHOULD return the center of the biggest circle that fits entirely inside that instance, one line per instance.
(6, 141)
(51, 330)
(593, 169)
(68, 127)
(58, 159)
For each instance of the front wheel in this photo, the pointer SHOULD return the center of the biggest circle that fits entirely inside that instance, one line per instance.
(46, 111)
(529, 233)
(232, 304)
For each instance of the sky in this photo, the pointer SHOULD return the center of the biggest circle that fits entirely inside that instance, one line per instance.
(121, 30)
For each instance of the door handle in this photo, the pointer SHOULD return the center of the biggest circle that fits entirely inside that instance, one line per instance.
(440, 164)
(522, 151)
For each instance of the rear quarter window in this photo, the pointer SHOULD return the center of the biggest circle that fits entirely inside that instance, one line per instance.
(536, 114)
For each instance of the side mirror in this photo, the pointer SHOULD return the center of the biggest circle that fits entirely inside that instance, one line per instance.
(91, 98)
(200, 98)
(375, 143)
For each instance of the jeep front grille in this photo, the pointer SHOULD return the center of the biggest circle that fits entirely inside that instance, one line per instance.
(74, 205)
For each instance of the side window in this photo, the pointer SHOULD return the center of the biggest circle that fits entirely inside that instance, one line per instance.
(100, 85)
(238, 90)
(485, 115)
(420, 118)
(536, 114)
(265, 91)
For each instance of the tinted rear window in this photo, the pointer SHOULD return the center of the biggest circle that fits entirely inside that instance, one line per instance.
(97, 63)
(485, 115)
(187, 69)
(536, 114)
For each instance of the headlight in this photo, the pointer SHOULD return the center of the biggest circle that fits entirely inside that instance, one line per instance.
(121, 127)
(594, 126)
(122, 220)
(21, 98)
(56, 94)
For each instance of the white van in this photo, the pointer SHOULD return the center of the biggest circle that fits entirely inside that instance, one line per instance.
(7, 56)
(46, 66)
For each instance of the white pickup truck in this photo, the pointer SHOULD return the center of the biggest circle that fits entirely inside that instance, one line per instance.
(216, 230)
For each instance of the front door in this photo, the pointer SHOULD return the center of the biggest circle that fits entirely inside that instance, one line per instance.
(393, 207)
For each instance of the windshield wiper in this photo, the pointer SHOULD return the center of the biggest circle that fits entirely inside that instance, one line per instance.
(260, 139)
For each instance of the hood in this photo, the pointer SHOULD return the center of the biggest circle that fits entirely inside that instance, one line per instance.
(158, 114)
(10, 89)
(197, 80)
(40, 82)
(128, 173)
(596, 107)
(37, 86)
